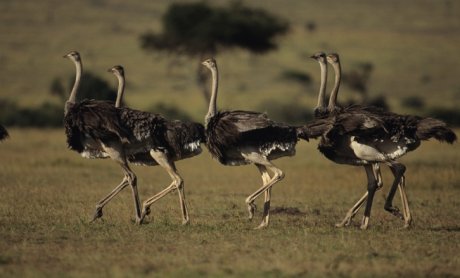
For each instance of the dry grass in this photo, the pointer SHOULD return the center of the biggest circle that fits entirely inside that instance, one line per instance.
(47, 197)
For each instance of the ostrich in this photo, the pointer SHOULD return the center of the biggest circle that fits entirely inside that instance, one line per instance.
(94, 130)
(97, 129)
(179, 140)
(243, 137)
(3, 133)
(367, 136)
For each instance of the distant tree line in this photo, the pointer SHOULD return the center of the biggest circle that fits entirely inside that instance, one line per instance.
(199, 31)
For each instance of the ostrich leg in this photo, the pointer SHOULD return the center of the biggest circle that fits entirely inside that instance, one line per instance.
(265, 179)
(374, 181)
(352, 212)
(356, 207)
(278, 175)
(106, 199)
(177, 183)
(405, 203)
(116, 152)
(398, 171)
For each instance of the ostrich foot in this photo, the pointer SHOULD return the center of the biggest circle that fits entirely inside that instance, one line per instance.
(407, 223)
(262, 225)
(395, 211)
(251, 209)
(365, 223)
(145, 212)
(97, 214)
(345, 222)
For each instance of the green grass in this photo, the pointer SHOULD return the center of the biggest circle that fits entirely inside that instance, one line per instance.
(404, 40)
(48, 195)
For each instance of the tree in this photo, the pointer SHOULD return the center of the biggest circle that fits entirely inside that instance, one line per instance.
(91, 87)
(199, 31)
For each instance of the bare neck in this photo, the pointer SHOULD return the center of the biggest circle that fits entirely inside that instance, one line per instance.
(322, 89)
(121, 89)
(73, 93)
(213, 102)
(333, 98)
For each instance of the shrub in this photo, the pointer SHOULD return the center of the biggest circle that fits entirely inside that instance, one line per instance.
(413, 102)
(292, 113)
(450, 116)
(297, 76)
(170, 112)
(45, 115)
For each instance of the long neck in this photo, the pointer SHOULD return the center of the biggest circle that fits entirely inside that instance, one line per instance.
(212, 103)
(335, 90)
(73, 93)
(322, 88)
(121, 90)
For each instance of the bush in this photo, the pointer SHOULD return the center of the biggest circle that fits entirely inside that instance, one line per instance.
(450, 116)
(198, 28)
(297, 76)
(379, 101)
(93, 87)
(292, 113)
(413, 102)
(170, 112)
(45, 115)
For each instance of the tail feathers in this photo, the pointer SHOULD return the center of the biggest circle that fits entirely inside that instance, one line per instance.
(431, 128)
(314, 129)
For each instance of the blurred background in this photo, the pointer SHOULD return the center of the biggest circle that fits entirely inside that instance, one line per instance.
(402, 55)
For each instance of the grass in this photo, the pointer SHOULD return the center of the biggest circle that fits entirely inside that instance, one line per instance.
(47, 197)
(48, 194)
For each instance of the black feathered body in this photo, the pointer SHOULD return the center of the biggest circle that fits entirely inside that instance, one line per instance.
(229, 133)
(184, 138)
(91, 124)
(179, 140)
(360, 135)
(3, 133)
(146, 133)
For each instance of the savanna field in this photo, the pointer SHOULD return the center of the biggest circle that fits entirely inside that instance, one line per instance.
(48, 193)
(49, 196)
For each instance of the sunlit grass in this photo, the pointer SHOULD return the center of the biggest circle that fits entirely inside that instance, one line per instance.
(48, 195)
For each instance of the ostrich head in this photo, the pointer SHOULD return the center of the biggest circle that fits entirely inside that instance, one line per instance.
(117, 70)
(319, 56)
(333, 58)
(210, 63)
(73, 55)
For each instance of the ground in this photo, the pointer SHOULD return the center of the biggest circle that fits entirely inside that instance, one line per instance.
(48, 196)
